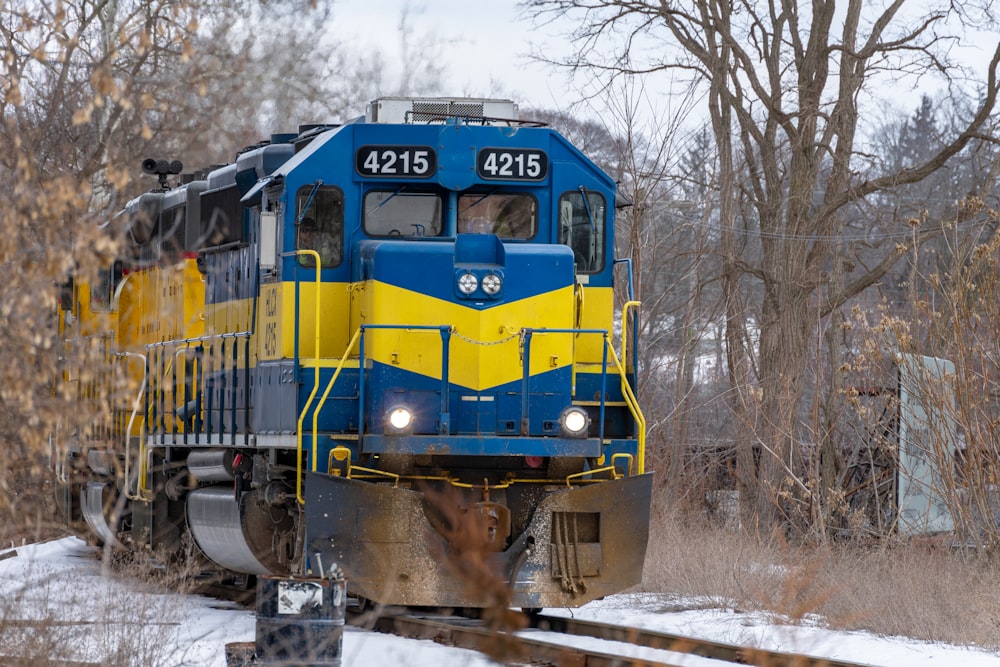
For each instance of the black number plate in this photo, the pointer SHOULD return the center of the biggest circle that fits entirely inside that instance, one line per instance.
(512, 164)
(396, 161)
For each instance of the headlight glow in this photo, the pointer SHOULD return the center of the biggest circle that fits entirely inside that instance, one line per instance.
(467, 283)
(399, 418)
(492, 283)
(574, 422)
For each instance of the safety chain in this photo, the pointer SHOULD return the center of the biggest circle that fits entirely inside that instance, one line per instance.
(454, 332)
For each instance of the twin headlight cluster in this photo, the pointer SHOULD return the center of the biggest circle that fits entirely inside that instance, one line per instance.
(574, 421)
(468, 282)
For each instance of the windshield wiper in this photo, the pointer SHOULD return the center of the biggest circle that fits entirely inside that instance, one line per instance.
(478, 201)
(385, 201)
(312, 195)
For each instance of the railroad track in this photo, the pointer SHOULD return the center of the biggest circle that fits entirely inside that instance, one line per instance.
(553, 640)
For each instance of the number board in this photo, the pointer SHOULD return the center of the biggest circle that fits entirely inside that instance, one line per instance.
(396, 161)
(512, 164)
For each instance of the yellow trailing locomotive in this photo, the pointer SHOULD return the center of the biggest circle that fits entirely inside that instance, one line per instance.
(387, 345)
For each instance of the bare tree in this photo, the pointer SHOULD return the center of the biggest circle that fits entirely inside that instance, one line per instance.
(87, 90)
(784, 85)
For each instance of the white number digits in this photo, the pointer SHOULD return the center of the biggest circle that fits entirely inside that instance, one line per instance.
(396, 161)
(523, 164)
(534, 169)
(389, 166)
(506, 159)
(371, 163)
(490, 164)
(420, 164)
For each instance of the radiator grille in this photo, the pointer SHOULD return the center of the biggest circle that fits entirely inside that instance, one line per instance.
(428, 112)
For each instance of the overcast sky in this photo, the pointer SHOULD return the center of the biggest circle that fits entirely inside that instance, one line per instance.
(487, 46)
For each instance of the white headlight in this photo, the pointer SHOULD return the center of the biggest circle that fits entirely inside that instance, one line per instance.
(467, 283)
(492, 283)
(400, 418)
(574, 422)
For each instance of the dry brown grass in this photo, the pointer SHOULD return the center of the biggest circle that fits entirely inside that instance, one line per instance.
(50, 615)
(921, 590)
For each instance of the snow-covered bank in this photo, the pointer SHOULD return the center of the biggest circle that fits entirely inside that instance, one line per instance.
(86, 614)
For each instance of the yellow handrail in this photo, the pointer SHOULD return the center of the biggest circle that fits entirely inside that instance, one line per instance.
(623, 455)
(633, 406)
(143, 492)
(316, 332)
(628, 305)
(584, 473)
(315, 423)
(326, 392)
(630, 400)
(128, 431)
(379, 473)
(626, 389)
(340, 453)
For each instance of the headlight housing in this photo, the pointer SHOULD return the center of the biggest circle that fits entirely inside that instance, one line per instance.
(574, 422)
(467, 283)
(399, 420)
(492, 283)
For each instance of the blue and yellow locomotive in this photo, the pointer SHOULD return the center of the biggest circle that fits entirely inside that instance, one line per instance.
(386, 345)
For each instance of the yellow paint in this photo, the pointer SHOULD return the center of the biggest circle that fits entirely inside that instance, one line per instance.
(192, 322)
(90, 322)
(275, 331)
(485, 347)
(158, 304)
(228, 317)
(598, 311)
(151, 305)
(335, 330)
(485, 344)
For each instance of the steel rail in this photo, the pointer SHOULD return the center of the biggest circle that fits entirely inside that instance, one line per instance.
(513, 646)
(504, 646)
(745, 655)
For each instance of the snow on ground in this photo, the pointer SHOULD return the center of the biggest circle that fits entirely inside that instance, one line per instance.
(95, 616)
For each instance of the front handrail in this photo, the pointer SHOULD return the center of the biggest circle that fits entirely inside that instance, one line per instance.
(628, 306)
(627, 393)
(315, 422)
(128, 430)
(202, 378)
(445, 330)
(316, 339)
(633, 406)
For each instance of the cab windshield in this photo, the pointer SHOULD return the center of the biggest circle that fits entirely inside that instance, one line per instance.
(508, 215)
(401, 213)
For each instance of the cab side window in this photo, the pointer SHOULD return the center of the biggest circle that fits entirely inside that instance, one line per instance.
(102, 290)
(582, 226)
(319, 216)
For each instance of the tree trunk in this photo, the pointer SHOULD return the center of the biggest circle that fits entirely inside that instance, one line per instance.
(742, 401)
(783, 353)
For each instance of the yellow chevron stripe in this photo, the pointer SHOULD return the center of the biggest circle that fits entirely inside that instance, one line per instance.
(485, 348)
